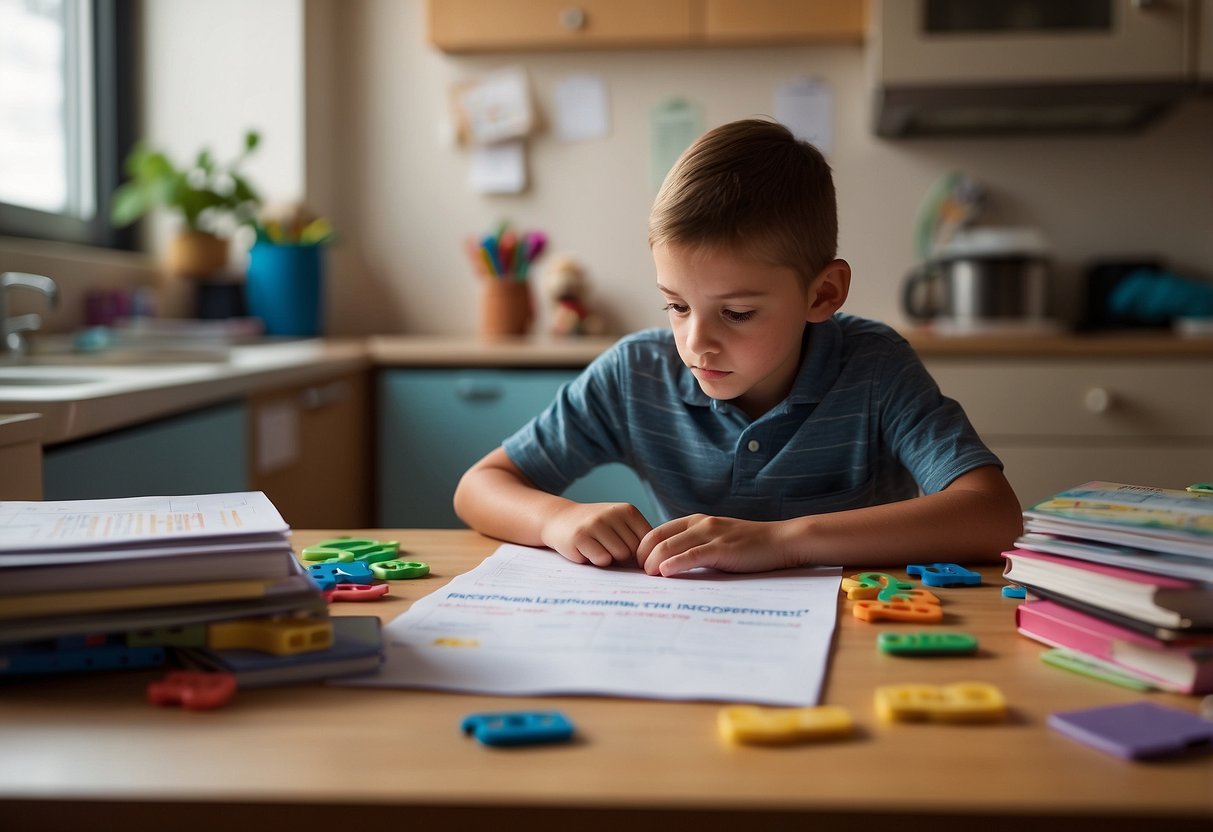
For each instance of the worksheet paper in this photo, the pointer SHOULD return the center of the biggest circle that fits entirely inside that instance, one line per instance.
(527, 622)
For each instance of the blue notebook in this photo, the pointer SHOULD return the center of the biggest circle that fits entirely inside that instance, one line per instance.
(357, 649)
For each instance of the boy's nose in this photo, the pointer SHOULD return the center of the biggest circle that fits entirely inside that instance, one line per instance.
(700, 338)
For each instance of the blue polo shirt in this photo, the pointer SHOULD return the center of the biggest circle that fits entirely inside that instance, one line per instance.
(864, 424)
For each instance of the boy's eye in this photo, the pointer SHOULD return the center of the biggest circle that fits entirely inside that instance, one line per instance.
(678, 308)
(735, 316)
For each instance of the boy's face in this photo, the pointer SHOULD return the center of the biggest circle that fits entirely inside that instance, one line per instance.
(738, 323)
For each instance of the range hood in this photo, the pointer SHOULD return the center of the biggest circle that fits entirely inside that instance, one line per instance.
(906, 111)
(956, 67)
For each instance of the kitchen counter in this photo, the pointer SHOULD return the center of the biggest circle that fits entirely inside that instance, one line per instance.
(467, 351)
(1059, 345)
(76, 401)
(84, 399)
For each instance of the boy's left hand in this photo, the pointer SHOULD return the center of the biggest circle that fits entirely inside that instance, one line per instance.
(724, 543)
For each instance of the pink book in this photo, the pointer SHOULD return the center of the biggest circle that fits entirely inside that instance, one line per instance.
(1186, 666)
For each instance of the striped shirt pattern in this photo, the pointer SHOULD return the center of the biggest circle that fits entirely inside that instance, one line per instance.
(864, 424)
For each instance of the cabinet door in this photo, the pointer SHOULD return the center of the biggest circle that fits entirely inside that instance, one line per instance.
(195, 453)
(1057, 423)
(482, 25)
(783, 21)
(433, 424)
(310, 452)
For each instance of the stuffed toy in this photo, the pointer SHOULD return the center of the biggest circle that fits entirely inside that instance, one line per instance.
(565, 287)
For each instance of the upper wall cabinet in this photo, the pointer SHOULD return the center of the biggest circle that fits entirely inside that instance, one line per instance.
(505, 25)
(783, 21)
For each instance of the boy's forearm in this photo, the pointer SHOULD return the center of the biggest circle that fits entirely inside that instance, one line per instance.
(949, 526)
(496, 503)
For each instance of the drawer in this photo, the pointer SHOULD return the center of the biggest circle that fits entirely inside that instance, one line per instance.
(1082, 398)
(478, 25)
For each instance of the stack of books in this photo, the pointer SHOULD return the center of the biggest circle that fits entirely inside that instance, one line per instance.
(1122, 575)
(121, 583)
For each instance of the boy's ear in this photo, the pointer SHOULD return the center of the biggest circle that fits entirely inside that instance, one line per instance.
(828, 291)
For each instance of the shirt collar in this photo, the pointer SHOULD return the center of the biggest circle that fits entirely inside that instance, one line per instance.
(820, 364)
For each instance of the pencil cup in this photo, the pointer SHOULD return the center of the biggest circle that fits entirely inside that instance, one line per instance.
(505, 308)
(285, 287)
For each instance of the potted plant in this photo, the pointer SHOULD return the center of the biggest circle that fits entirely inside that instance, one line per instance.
(210, 197)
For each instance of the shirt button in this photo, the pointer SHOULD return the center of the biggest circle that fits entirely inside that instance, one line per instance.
(753, 445)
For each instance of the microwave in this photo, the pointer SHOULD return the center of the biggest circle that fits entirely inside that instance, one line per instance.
(943, 67)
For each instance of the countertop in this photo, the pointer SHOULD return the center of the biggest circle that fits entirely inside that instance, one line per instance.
(468, 351)
(76, 400)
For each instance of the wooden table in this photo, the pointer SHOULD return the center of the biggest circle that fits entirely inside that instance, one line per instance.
(85, 752)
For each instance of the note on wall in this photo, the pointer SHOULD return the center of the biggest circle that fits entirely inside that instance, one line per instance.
(498, 168)
(806, 107)
(673, 126)
(581, 108)
(495, 106)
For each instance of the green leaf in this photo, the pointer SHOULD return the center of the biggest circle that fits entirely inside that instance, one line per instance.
(243, 191)
(129, 203)
(151, 166)
(251, 139)
(205, 161)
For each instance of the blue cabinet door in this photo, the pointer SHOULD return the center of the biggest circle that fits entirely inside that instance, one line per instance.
(433, 424)
(203, 452)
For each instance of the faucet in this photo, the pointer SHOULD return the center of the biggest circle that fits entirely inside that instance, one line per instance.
(11, 340)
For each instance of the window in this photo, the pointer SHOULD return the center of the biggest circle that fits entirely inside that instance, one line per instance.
(66, 117)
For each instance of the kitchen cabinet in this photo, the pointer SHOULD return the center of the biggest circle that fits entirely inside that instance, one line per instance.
(1204, 46)
(433, 424)
(783, 21)
(310, 452)
(191, 453)
(1058, 422)
(496, 25)
(21, 457)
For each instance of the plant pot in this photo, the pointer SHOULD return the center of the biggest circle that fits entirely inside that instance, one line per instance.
(196, 254)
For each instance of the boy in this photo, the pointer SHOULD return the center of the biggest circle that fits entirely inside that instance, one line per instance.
(771, 432)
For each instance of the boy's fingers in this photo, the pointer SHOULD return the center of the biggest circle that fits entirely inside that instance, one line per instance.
(655, 536)
(593, 551)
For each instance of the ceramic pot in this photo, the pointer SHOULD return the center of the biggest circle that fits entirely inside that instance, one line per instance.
(505, 307)
(196, 254)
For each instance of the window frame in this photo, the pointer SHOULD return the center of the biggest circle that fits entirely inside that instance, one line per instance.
(114, 115)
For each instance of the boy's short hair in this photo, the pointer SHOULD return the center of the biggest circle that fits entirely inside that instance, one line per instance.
(751, 187)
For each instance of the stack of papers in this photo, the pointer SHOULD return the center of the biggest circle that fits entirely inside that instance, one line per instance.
(76, 570)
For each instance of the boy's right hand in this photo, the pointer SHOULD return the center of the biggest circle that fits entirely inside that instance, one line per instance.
(597, 533)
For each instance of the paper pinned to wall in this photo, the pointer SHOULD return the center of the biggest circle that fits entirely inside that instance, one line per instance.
(498, 168)
(673, 126)
(495, 106)
(581, 108)
(806, 107)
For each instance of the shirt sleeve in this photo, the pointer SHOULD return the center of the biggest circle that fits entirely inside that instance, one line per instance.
(582, 428)
(927, 431)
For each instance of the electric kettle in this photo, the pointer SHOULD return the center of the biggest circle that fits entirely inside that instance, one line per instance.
(982, 277)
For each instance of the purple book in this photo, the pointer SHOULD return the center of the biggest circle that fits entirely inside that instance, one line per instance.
(1137, 731)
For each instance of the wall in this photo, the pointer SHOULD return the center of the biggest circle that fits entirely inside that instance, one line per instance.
(404, 209)
(352, 104)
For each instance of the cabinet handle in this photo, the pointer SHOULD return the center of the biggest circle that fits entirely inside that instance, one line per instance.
(572, 19)
(314, 398)
(1098, 400)
(472, 391)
